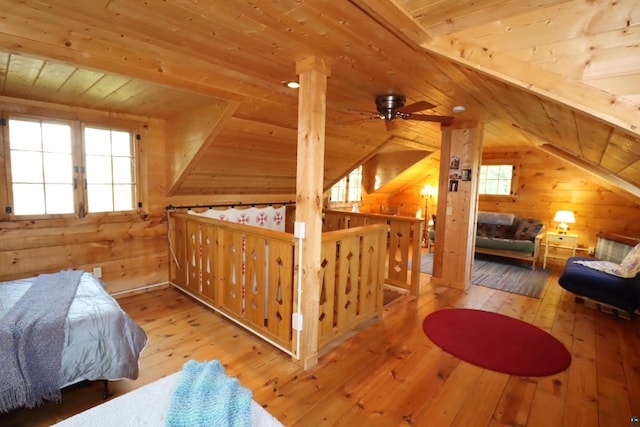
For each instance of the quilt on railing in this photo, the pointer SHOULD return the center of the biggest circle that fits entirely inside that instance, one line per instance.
(266, 217)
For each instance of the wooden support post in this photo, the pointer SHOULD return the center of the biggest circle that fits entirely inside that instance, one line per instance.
(458, 204)
(313, 74)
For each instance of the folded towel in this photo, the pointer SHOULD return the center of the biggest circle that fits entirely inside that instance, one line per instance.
(206, 396)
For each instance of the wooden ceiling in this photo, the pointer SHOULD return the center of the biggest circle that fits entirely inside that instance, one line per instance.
(563, 75)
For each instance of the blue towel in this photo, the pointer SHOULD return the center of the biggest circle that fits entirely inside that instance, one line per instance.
(206, 396)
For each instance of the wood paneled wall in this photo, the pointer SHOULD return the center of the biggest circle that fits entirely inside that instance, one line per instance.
(130, 248)
(547, 184)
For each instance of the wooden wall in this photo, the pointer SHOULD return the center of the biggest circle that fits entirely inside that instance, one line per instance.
(131, 249)
(547, 184)
(133, 252)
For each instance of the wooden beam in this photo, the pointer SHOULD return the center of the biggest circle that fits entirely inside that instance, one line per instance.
(596, 103)
(312, 105)
(457, 205)
(604, 178)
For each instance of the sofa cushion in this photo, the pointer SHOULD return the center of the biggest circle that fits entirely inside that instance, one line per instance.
(495, 218)
(528, 229)
(524, 246)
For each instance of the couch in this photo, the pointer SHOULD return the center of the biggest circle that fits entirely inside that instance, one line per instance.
(505, 235)
(590, 281)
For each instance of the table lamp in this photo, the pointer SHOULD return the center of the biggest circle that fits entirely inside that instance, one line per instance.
(564, 217)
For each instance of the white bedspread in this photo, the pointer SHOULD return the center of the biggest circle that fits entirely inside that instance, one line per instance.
(147, 406)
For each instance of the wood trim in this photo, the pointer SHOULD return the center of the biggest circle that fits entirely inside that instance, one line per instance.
(627, 240)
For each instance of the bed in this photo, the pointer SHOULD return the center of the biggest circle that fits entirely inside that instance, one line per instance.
(148, 406)
(597, 287)
(100, 341)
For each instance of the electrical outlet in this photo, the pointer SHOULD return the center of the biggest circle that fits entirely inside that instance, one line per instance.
(97, 271)
(592, 250)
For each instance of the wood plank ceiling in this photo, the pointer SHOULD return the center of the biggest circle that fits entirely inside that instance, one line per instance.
(563, 75)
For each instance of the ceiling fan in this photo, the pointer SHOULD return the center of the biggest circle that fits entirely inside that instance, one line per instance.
(391, 107)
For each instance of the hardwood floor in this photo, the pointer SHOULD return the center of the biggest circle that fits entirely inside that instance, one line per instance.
(390, 374)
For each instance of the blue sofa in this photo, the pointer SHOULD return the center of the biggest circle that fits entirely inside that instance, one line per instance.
(589, 284)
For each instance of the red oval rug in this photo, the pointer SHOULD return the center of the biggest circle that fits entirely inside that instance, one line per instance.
(497, 342)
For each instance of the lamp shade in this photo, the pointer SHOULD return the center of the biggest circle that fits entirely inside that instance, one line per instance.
(564, 216)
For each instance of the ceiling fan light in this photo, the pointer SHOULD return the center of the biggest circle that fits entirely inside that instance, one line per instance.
(459, 109)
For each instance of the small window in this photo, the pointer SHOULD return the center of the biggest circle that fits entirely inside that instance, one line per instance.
(349, 188)
(109, 161)
(496, 180)
(52, 172)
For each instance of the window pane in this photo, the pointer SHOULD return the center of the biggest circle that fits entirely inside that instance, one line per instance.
(110, 171)
(123, 199)
(122, 171)
(97, 141)
(25, 135)
(98, 170)
(505, 172)
(496, 179)
(28, 199)
(56, 138)
(99, 198)
(59, 198)
(504, 188)
(491, 187)
(58, 169)
(26, 166)
(121, 143)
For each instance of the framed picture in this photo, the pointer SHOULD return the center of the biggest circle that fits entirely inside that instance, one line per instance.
(455, 163)
(453, 185)
(466, 174)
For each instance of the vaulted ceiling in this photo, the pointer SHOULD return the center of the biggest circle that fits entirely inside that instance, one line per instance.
(563, 75)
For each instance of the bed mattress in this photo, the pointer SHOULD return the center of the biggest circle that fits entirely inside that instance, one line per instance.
(147, 406)
(101, 340)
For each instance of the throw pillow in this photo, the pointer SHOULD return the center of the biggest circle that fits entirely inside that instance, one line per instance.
(628, 268)
(604, 266)
(528, 229)
(630, 265)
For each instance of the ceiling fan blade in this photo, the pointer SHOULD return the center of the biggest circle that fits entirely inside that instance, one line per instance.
(360, 120)
(447, 120)
(416, 106)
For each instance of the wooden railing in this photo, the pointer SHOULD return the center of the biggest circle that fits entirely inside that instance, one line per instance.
(247, 274)
(353, 278)
(403, 244)
(244, 272)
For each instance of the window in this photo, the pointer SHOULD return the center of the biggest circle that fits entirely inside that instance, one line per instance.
(349, 188)
(53, 172)
(110, 170)
(496, 180)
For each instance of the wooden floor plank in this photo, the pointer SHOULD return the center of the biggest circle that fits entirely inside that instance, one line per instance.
(390, 373)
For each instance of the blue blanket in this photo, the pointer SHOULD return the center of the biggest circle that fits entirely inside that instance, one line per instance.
(32, 339)
(206, 396)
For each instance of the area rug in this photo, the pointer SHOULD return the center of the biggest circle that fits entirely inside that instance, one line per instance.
(497, 342)
(500, 273)
(391, 294)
